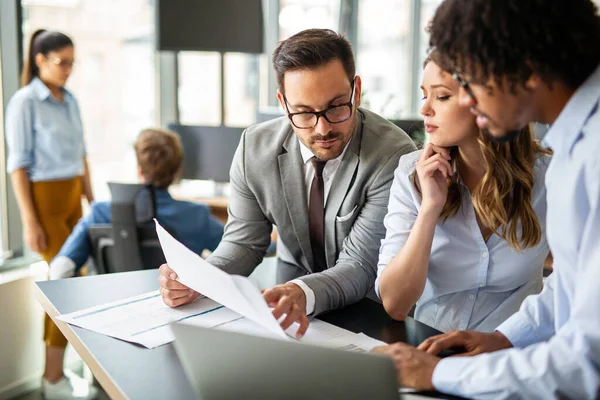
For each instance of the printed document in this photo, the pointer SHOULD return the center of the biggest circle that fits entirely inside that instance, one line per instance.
(228, 302)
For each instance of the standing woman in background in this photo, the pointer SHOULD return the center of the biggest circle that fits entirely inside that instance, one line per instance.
(49, 172)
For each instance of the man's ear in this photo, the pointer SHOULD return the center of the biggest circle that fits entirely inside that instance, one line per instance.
(280, 98)
(357, 90)
(535, 80)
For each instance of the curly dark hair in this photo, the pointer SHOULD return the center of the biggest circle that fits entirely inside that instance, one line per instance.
(559, 39)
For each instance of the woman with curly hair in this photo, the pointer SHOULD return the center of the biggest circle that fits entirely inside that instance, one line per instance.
(465, 234)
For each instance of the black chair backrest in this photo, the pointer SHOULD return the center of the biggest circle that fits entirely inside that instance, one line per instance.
(130, 242)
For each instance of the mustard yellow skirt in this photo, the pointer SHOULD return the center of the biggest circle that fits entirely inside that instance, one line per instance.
(58, 204)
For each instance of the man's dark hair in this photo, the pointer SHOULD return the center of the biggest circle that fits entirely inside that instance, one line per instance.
(312, 48)
(559, 39)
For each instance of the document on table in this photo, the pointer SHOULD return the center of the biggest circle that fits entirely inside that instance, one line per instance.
(235, 292)
(145, 320)
(229, 302)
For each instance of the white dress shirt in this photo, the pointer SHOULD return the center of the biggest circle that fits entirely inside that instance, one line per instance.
(556, 334)
(471, 283)
(329, 172)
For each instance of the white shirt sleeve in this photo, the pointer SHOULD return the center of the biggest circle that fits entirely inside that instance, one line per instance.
(566, 365)
(534, 322)
(310, 295)
(401, 216)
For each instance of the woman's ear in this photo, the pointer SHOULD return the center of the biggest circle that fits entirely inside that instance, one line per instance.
(40, 59)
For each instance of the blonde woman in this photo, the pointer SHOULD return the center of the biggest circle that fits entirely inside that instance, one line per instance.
(465, 226)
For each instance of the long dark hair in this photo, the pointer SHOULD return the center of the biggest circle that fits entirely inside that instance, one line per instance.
(42, 41)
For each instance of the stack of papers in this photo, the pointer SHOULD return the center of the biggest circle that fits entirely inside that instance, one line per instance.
(229, 302)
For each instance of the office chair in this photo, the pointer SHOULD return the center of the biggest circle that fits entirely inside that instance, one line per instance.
(415, 128)
(130, 242)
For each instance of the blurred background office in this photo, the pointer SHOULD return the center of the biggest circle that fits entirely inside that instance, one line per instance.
(127, 77)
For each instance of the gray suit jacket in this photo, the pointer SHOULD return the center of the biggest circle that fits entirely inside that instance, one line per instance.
(267, 188)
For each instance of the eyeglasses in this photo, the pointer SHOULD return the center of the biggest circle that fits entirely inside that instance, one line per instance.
(334, 114)
(62, 63)
(465, 85)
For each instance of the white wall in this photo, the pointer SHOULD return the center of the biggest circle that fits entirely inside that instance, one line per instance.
(21, 330)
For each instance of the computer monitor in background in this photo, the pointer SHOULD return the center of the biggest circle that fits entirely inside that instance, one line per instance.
(207, 150)
(210, 25)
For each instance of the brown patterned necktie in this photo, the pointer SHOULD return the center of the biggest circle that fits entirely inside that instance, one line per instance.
(316, 216)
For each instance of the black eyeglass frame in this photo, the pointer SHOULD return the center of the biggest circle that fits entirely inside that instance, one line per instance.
(322, 113)
(465, 85)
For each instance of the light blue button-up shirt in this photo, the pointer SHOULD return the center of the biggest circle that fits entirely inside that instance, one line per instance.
(556, 334)
(43, 135)
(471, 284)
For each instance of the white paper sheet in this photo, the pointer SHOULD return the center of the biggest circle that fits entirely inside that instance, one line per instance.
(142, 319)
(145, 320)
(232, 302)
(234, 292)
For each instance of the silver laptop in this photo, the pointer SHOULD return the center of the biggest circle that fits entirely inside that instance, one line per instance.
(228, 365)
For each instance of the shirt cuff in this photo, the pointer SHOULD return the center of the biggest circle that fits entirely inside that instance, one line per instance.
(62, 267)
(446, 374)
(16, 161)
(308, 292)
(519, 331)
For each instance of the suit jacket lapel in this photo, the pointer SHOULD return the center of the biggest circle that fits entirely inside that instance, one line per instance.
(339, 188)
(295, 194)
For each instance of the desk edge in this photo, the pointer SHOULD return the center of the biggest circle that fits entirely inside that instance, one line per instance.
(112, 389)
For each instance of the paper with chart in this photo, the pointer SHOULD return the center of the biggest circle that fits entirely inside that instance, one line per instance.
(145, 319)
(229, 302)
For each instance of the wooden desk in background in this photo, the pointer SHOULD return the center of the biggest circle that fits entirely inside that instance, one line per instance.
(218, 205)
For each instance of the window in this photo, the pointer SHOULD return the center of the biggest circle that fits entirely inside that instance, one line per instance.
(199, 94)
(114, 79)
(428, 8)
(297, 15)
(384, 56)
(3, 213)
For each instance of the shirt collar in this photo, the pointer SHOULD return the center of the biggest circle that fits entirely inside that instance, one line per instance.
(43, 93)
(567, 128)
(162, 192)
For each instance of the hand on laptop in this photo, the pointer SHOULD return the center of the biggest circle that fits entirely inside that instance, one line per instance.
(288, 299)
(414, 367)
(473, 342)
(173, 292)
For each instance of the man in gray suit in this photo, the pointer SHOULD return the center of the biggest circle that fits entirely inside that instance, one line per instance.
(322, 175)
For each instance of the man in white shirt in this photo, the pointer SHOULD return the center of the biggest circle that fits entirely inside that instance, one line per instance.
(520, 61)
(322, 175)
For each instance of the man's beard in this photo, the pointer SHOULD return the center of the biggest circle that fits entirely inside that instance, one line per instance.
(507, 137)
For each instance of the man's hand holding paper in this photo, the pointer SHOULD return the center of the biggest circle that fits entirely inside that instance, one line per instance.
(173, 292)
(290, 300)
(234, 292)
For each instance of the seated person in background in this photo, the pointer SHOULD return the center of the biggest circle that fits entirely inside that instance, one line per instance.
(322, 175)
(465, 225)
(159, 157)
